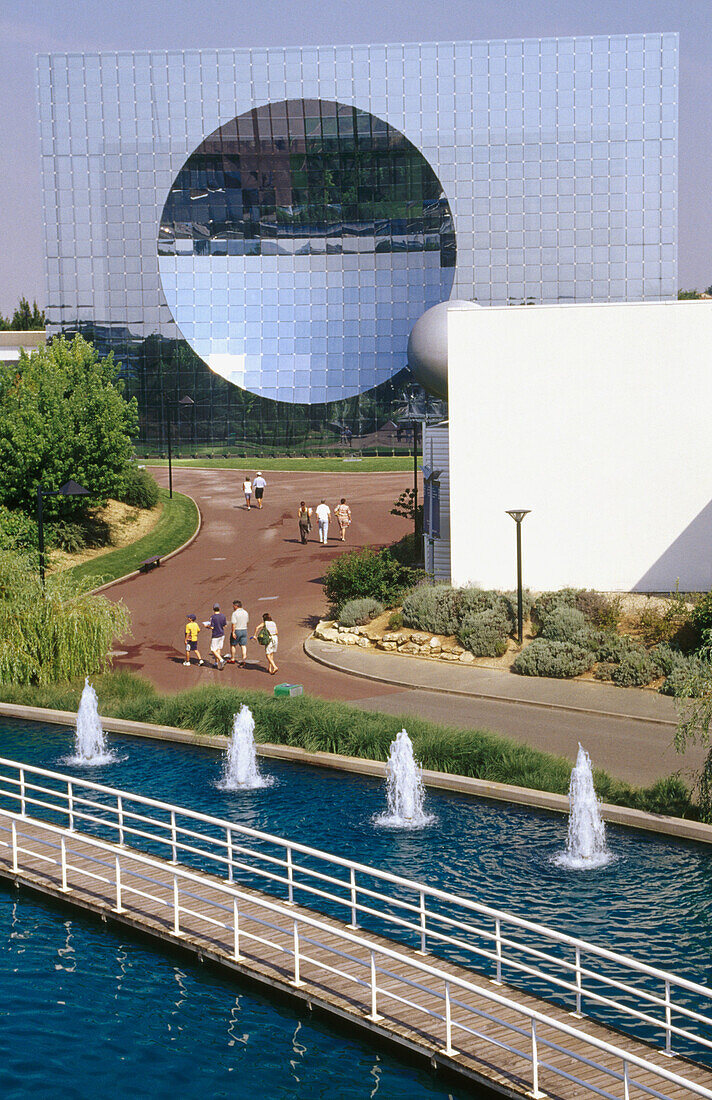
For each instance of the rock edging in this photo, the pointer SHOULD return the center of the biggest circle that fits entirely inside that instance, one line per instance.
(411, 643)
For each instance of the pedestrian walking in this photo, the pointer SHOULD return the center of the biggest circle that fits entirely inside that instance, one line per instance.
(323, 511)
(259, 485)
(304, 519)
(247, 490)
(191, 641)
(217, 623)
(238, 633)
(268, 636)
(343, 516)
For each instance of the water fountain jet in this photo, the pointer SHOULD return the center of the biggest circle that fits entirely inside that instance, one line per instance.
(586, 839)
(240, 769)
(404, 788)
(90, 747)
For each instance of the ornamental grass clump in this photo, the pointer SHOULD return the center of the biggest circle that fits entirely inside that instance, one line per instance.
(57, 633)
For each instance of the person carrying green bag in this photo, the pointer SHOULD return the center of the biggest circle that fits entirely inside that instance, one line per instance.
(268, 636)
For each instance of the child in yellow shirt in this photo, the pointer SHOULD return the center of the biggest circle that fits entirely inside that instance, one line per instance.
(191, 640)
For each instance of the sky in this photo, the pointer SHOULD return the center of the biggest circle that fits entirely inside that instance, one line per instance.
(43, 26)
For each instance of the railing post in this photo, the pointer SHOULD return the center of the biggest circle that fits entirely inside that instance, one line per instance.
(579, 986)
(22, 792)
(70, 805)
(448, 1048)
(354, 923)
(668, 1021)
(373, 1014)
(174, 838)
(626, 1082)
(64, 866)
(176, 908)
(120, 808)
(290, 876)
(535, 1065)
(14, 845)
(296, 980)
(423, 949)
(236, 931)
(228, 833)
(498, 942)
(119, 907)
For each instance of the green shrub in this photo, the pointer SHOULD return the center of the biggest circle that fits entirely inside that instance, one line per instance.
(359, 612)
(635, 669)
(18, 531)
(368, 572)
(701, 618)
(395, 620)
(67, 536)
(549, 658)
(484, 633)
(601, 611)
(611, 647)
(407, 550)
(545, 603)
(563, 624)
(687, 676)
(139, 489)
(604, 670)
(672, 624)
(433, 607)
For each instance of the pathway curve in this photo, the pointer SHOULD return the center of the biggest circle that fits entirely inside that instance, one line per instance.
(257, 557)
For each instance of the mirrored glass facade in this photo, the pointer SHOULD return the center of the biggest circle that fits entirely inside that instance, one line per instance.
(261, 228)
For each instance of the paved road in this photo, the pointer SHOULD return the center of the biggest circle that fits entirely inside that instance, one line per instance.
(257, 557)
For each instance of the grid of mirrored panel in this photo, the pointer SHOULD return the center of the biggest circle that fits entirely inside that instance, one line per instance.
(330, 234)
(556, 159)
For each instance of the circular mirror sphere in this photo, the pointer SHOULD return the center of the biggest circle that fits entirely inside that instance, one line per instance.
(299, 244)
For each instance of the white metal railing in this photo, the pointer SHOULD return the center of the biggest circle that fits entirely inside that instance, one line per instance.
(412, 983)
(553, 963)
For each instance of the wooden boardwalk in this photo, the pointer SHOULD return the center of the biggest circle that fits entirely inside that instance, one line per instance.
(333, 967)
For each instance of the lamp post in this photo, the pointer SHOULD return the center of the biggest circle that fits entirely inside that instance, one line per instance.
(518, 515)
(69, 489)
(185, 401)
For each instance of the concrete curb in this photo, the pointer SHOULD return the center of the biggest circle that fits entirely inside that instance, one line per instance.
(321, 660)
(459, 784)
(165, 557)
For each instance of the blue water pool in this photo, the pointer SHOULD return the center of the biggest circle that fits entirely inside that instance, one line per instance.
(653, 901)
(86, 1013)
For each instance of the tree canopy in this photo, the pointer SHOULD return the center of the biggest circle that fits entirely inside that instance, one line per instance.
(24, 319)
(63, 416)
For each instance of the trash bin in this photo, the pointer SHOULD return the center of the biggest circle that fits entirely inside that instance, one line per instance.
(288, 689)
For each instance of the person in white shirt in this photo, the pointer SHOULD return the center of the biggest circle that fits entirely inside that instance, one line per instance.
(238, 632)
(323, 511)
(260, 485)
(247, 490)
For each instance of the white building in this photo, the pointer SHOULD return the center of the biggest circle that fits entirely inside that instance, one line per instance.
(597, 418)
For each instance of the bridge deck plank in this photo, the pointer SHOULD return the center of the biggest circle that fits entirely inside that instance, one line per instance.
(348, 991)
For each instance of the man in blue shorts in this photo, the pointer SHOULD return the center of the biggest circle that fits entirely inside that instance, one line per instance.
(217, 622)
(238, 633)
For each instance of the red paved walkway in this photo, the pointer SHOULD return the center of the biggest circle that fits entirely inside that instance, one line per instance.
(257, 557)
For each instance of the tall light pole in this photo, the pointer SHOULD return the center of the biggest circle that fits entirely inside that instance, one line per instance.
(185, 401)
(518, 515)
(69, 489)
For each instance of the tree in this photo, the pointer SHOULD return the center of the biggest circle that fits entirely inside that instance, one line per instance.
(24, 319)
(62, 416)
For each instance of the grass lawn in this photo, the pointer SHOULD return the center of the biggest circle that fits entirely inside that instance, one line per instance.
(178, 521)
(351, 464)
(320, 725)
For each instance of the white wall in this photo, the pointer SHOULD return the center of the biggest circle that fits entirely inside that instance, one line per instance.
(599, 419)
